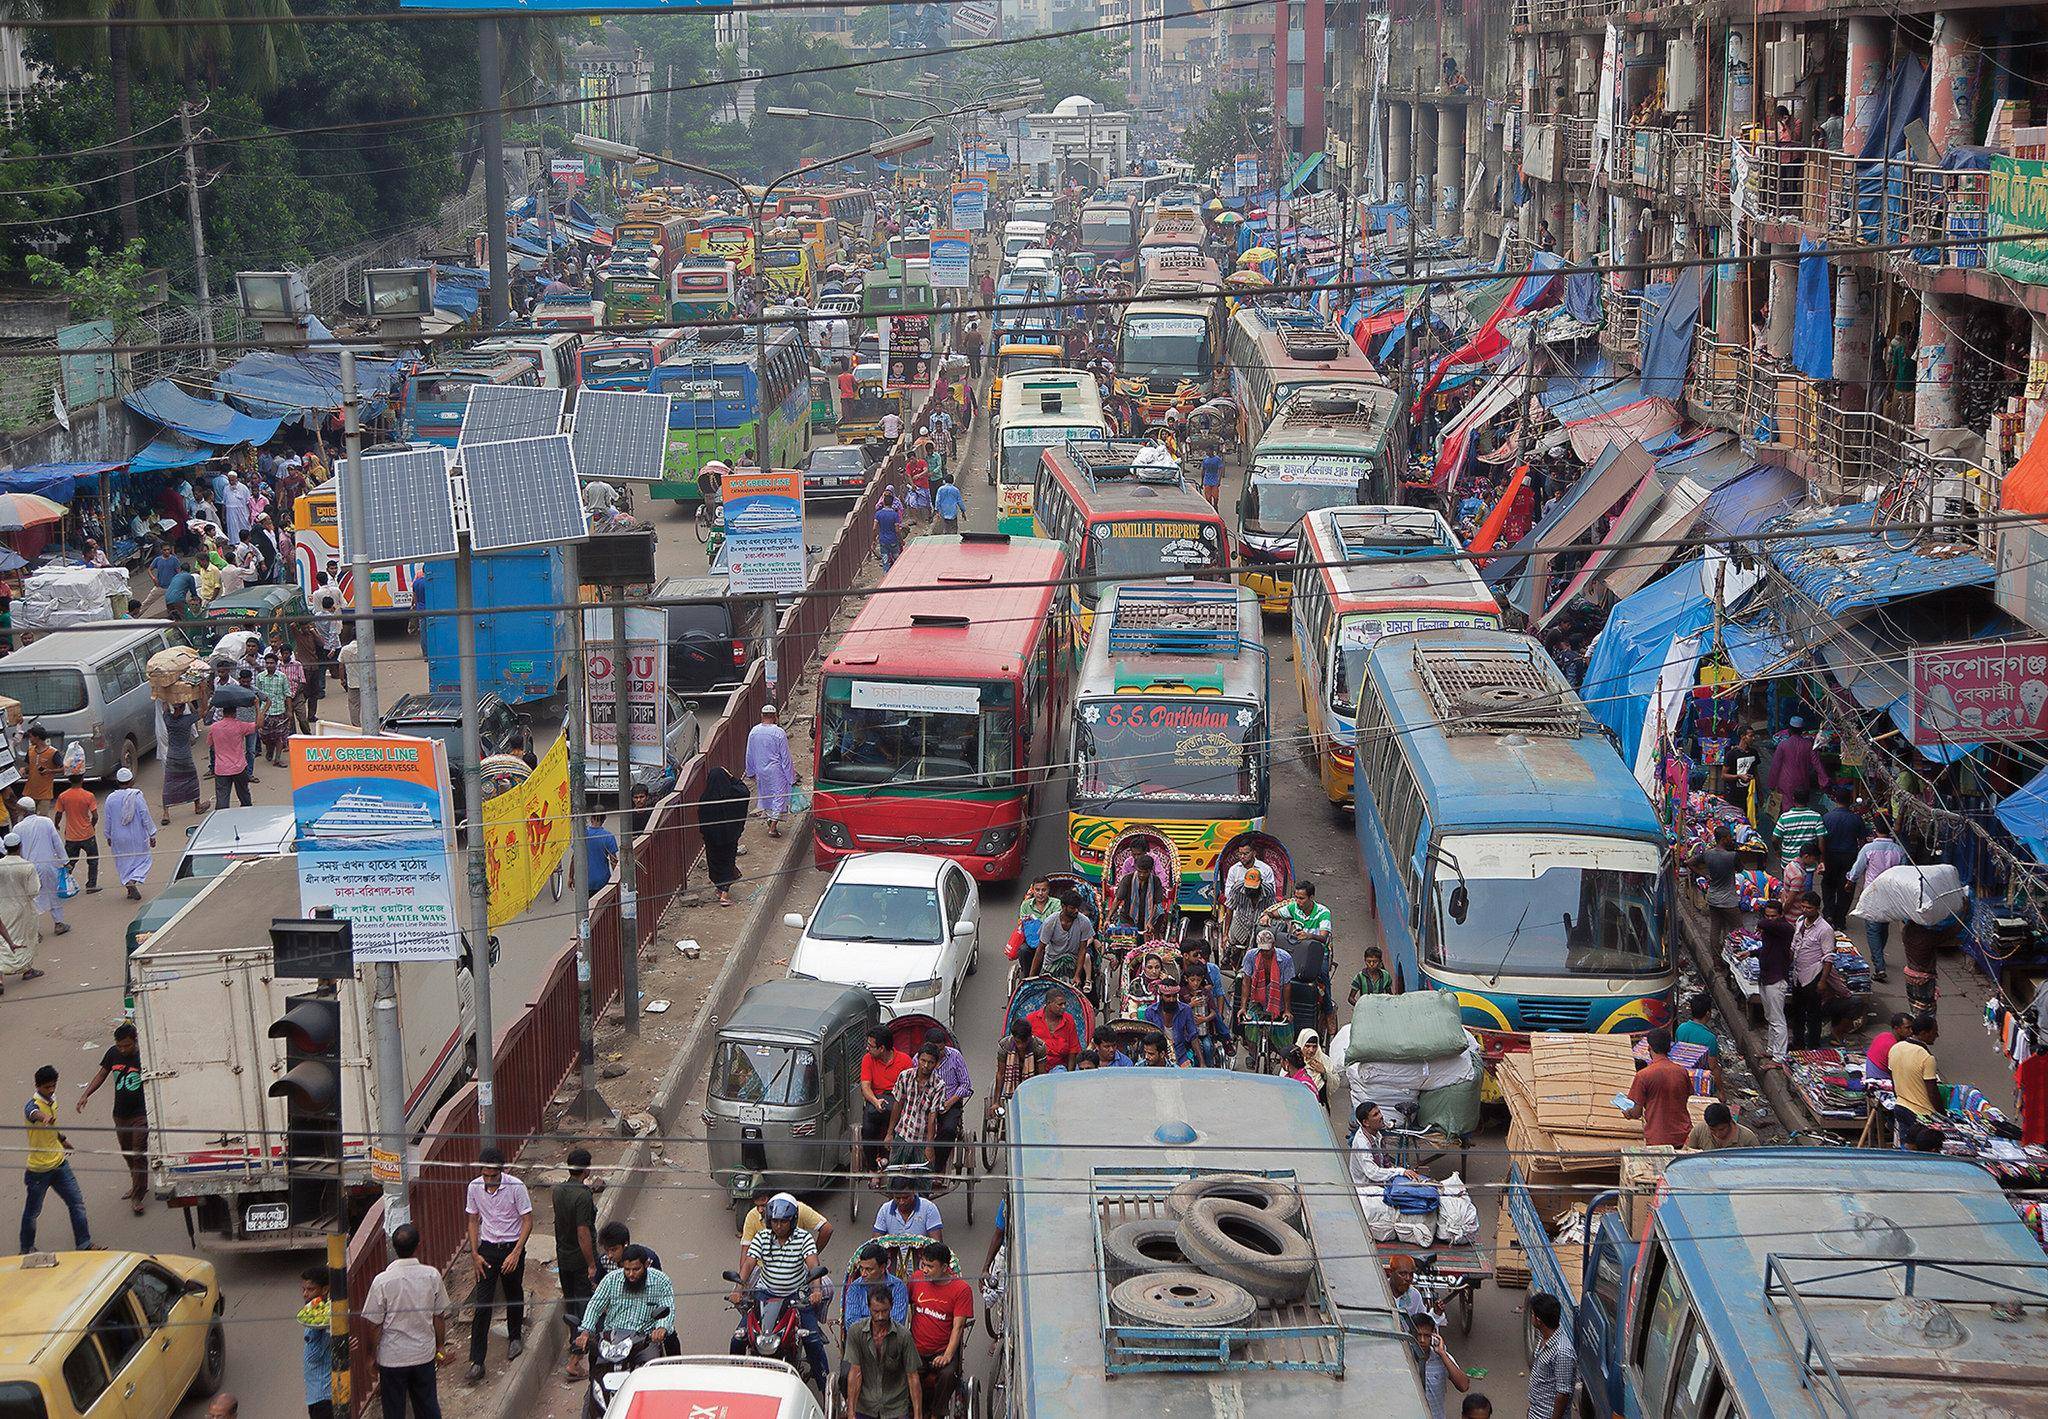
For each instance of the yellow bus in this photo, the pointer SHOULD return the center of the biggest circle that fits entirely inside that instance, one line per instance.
(787, 269)
(1018, 351)
(1170, 728)
(1362, 573)
(316, 548)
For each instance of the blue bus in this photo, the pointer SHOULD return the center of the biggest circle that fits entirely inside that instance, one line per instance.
(437, 397)
(1802, 1283)
(718, 410)
(1513, 857)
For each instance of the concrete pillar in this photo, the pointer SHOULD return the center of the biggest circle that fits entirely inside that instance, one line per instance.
(1585, 231)
(1400, 126)
(1424, 201)
(1855, 312)
(1952, 83)
(1557, 212)
(1863, 81)
(1731, 311)
(1738, 81)
(1784, 306)
(1450, 169)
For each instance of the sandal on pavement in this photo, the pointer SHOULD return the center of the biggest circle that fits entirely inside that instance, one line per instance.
(32, 973)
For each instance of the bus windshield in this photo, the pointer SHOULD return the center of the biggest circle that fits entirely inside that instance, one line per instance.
(1169, 748)
(1107, 229)
(597, 364)
(445, 389)
(1533, 904)
(1170, 345)
(1131, 549)
(1282, 491)
(780, 256)
(891, 733)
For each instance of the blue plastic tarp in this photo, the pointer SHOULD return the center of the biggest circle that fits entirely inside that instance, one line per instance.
(1813, 315)
(1740, 507)
(59, 482)
(1629, 654)
(1902, 100)
(1579, 403)
(1667, 342)
(304, 387)
(166, 453)
(1847, 565)
(1582, 297)
(203, 420)
(1302, 174)
(2025, 815)
(1755, 647)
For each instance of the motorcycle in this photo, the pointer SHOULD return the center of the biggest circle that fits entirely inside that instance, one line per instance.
(772, 1327)
(614, 1355)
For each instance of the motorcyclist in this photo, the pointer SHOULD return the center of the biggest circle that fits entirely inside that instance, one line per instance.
(636, 1298)
(780, 1261)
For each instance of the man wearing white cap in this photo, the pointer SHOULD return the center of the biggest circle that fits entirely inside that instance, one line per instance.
(770, 766)
(43, 848)
(131, 832)
(21, 929)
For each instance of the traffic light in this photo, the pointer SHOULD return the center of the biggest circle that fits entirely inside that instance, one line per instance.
(311, 1088)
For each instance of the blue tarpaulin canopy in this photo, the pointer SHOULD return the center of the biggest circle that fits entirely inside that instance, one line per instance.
(1859, 567)
(59, 482)
(166, 453)
(1667, 338)
(1302, 174)
(303, 387)
(2025, 815)
(1629, 654)
(1739, 508)
(1576, 403)
(204, 420)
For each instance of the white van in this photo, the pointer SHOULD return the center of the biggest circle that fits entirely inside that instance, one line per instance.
(89, 684)
(1020, 236)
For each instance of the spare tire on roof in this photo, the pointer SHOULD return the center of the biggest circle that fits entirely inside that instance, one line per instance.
(1238, 1242)
(1181, 1300)
(1269, 1195)
(1147, 1245)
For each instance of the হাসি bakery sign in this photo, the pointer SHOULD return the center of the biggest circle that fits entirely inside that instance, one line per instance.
(2018, 207)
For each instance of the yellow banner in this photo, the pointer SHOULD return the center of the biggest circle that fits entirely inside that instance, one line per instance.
(526, 835)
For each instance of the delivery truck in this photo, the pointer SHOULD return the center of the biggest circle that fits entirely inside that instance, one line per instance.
(521, 655)
(206, 996)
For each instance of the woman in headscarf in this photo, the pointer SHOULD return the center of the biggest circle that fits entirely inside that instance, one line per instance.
(721, 819)
(181, 778)
(131, 833)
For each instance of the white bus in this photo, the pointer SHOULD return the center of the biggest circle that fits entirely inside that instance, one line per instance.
(1040, 408)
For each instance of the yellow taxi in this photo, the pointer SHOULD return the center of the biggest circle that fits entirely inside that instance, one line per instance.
(99, 1334)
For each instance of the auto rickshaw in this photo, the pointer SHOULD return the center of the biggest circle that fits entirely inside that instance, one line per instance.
(252, 609)
(783, 1089)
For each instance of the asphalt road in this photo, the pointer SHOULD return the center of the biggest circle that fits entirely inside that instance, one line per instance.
(67, 1019)
(688, 1222)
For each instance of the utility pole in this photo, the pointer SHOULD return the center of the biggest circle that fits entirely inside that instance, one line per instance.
(490, 69)
(589, 1105)
(668, 109)
(479, 876)
(622, 746)
(186, 113)
(1408, 316)
(387, 1159)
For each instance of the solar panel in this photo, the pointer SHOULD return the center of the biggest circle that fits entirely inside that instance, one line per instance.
(523, 494)
(620, 434)
(500, 412)
(408, 506)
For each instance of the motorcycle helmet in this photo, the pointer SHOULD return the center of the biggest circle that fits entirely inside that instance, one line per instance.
(781, 1208)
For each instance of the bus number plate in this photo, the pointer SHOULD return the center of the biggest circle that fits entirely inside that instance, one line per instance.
(266, 1217)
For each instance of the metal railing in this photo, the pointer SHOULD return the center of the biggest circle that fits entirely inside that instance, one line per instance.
(1575, 140)
(1861, 202)
(1622, 333)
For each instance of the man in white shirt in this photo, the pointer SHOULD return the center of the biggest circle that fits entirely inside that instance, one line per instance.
(892, 426)
(1366, 1160)
(500, 1219)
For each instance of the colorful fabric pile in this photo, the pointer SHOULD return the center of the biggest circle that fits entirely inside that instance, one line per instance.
(1691, 1058)
(1831, 1081)
(1706, 812)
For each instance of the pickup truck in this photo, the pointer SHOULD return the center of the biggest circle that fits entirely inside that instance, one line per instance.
(205, 999)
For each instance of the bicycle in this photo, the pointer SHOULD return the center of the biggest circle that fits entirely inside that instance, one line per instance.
(701, 517)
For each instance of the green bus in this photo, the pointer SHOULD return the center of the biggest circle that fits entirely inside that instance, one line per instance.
(720, 408)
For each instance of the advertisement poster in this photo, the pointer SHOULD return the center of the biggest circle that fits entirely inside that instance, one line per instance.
(375, 833)
(1247, 173)
(970, 206)
(646, 685)
(907, 357)
(764, 530)
(976, 18)
(526, 835)
(952, 260)
(1035, 148)
(569, 172)
(1990, 692)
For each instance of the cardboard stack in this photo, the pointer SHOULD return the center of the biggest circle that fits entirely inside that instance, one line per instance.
(1562, 1122)
(1511, 1263)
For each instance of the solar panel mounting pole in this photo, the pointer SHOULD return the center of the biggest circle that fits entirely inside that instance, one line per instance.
(622, 745)
(589, 1104)
(491, 70)
(479, 879)
(388, 1158)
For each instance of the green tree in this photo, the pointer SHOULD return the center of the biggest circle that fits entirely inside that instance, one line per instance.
(107, 286)
(1086, 64)
(1236, 121)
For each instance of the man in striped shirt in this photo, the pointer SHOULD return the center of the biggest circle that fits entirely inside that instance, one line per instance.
(1797, 827)
(780, 1261)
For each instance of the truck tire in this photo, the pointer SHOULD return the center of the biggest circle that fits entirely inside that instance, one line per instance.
(1235, 1241)
(1277, 1200)
(1150, 1244)
(1181, 1300)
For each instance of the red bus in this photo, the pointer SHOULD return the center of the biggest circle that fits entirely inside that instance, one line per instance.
(938, 705)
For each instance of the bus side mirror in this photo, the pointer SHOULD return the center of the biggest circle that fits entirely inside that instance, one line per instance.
(1461, 903)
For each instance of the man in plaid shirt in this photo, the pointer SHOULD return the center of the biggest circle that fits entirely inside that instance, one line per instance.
(919, 1096)
(635, 1297)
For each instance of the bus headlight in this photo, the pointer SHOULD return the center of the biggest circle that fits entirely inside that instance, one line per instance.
(994, 842)
(832, 833)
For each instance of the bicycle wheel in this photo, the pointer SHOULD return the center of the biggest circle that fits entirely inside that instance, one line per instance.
(994, 1126)
(967, 1398)
(701, 522)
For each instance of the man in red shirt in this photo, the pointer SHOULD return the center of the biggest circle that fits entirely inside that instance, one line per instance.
(1051, 1023)
(941, 1310)
(1658, 1095)
(879, 1068)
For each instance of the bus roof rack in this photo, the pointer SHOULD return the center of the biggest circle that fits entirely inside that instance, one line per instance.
(1313, 342)
(1371, 534)
(1193, 619)
(1117, 461)
(1506, 690)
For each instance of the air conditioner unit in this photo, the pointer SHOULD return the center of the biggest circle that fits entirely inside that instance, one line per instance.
(1784, 67)
(1585, 71)
(1681, 74)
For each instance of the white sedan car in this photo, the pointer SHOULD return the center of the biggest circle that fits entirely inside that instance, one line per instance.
(905, 925)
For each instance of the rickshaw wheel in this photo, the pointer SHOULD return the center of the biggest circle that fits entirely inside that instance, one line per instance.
(967, 1398)
(1465, 1301)
(992, 1134)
